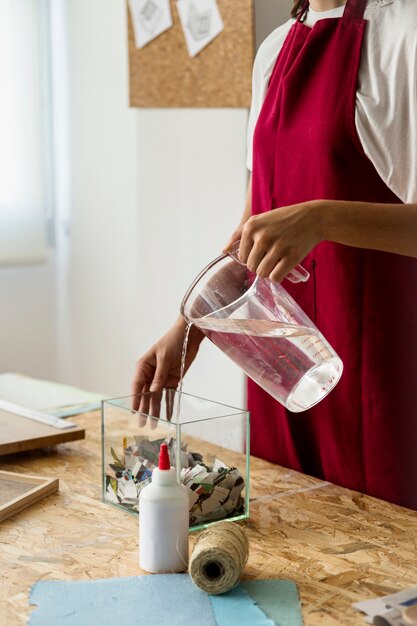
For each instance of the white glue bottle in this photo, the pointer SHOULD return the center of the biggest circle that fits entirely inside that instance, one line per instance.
(163, 520)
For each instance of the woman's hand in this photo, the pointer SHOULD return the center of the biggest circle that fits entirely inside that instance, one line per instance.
(273, 243)
(161, 366)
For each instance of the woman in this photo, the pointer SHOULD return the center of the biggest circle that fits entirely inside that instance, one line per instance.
(334, 186)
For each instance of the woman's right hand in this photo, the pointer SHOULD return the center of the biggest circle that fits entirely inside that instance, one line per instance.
(161, 366)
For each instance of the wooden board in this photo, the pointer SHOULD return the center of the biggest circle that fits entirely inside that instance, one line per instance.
(163, 75)
(18, 434)
(18, 491)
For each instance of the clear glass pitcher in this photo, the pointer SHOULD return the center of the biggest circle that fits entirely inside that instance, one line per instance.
(261, 328)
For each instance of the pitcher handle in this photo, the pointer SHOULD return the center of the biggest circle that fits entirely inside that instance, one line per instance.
(297, 275)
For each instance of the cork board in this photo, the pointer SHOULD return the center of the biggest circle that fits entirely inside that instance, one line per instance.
(163, 75)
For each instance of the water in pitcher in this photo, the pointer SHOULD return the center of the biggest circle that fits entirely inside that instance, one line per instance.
(292, 363)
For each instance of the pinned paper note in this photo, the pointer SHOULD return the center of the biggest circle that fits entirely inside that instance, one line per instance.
(150, 18)
(201, 22)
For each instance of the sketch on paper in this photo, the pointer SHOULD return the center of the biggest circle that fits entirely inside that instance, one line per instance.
(198, 23)
(201, 23)
(150, 16)
(150, 19)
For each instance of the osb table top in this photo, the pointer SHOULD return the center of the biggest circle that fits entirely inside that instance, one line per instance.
(338, 546)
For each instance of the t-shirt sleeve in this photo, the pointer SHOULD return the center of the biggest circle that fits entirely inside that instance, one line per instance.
(258, 95)
(262, 70)
(386, 116)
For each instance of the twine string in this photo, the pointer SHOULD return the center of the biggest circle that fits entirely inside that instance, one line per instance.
(218, 558)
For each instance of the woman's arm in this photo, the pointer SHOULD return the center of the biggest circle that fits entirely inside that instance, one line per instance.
(160, 366)
(246, 215)
(273, 243)
(388, 227)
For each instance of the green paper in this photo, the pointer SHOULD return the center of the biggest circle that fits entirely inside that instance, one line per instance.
(278, 599)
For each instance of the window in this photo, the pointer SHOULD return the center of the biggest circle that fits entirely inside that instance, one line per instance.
(24, 136)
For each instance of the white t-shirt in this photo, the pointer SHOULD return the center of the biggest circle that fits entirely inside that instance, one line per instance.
(386, 100)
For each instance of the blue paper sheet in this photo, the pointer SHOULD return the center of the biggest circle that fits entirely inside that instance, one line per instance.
(162, 600)
(236, 608)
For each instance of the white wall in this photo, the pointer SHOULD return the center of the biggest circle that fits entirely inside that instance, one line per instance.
(268, 15)
(154, 195)
(144, 198)
(28, 320)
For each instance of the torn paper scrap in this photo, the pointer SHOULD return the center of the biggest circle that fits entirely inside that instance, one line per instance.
(215, 491)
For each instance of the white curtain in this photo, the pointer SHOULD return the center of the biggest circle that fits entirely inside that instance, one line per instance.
(23, 132)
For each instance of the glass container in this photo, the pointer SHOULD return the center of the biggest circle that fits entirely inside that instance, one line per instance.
(208, 444)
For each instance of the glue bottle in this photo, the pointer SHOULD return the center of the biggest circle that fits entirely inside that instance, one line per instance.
(163, 520)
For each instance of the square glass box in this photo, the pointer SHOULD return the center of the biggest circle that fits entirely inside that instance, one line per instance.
(208, 443)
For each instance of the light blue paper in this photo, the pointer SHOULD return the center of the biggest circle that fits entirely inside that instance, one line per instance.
(236, 608)
(278, 599)
(160, 600)
(163, 600)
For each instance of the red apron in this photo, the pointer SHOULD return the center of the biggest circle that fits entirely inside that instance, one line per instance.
(364, 434)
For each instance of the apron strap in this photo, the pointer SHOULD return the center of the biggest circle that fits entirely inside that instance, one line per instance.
(355, 9)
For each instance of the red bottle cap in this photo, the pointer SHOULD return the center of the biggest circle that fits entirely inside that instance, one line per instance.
(164, 463)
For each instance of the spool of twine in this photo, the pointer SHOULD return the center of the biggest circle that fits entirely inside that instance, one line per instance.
(218, 558)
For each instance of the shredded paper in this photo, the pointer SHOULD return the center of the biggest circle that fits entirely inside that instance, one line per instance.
(215, 490)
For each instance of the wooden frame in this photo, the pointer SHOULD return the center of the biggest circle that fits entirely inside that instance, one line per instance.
(31, 488)
(18, 434)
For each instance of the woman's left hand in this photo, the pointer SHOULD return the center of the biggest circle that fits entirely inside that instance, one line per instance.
(273, 243)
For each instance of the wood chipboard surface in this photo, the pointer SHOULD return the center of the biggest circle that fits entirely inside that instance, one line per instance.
(337, 545)
(163, 75)
(18, 434)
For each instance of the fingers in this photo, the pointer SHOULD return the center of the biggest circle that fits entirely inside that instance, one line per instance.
(262, 255)
(245, 234)
(138, 384)
(144, 402)
(155, 404)
(161, 373)
(255, 258)
(144, 375)
(157, 369)
(150, 400)
(245, 248)
(274, 265)
(169, 403)
(281, 269)
(233, 239)
(249, 241)
(267, 264)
